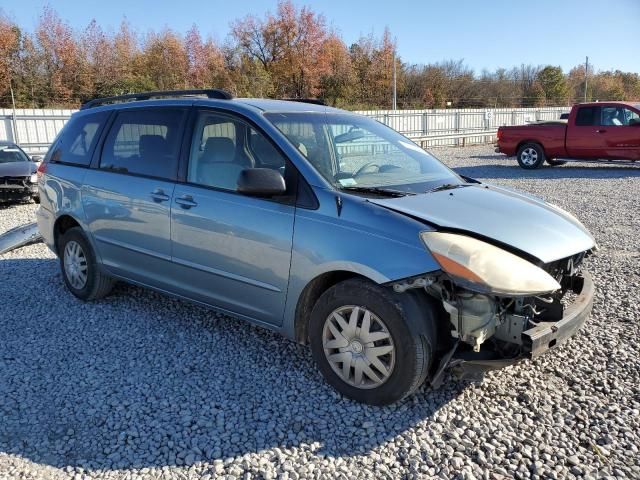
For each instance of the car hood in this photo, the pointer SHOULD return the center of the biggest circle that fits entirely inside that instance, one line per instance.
(522, 221)
(17, 169)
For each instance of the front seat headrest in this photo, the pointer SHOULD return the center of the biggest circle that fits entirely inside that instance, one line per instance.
(218, 150)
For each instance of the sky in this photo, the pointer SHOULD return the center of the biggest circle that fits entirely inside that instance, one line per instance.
(487, 34)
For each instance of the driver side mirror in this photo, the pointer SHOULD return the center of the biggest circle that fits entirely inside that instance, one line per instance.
(261, 182)
(634, 121)
(36, 158)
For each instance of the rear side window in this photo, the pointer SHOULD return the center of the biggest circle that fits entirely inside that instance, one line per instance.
(144, 142)
(588, 116)
(78, 139)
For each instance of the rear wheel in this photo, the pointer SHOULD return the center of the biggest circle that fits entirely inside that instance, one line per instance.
(530, 156)
(81, 274)
(363, 345)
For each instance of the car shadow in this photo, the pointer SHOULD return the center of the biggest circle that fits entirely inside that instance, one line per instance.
(137, 380)
(568, 170)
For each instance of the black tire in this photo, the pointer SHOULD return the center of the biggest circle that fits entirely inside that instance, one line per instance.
(36, 199)
(413, 352)
(555, 163)
(97, 284)
(530, 156)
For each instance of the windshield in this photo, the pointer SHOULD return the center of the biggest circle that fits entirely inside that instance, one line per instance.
(352, 151)
(9, 154)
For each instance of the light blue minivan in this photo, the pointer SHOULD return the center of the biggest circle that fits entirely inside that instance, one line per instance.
(326, 226)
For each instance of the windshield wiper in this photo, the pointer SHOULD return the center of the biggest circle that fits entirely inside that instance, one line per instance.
(389, 192)
(447, 186)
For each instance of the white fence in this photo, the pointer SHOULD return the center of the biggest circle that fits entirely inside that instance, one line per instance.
(35, 129)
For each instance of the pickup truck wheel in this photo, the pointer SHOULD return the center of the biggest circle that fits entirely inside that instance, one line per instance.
(530, 156)
(555, 163)
(363, 345)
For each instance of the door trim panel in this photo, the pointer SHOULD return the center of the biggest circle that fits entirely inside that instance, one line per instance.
(131, 247)
(222, 273)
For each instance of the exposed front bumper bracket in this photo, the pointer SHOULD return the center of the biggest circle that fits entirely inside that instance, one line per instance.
(539, 339)
(547, 335)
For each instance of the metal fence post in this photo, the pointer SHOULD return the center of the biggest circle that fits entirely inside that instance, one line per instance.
(14, 125)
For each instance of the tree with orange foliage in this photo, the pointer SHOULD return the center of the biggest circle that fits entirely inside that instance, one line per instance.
(288, 46)
(60, 59)
(9, 53)
(206, 62)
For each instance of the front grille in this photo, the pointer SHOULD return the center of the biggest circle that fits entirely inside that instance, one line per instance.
(17, 182)
(565, 266)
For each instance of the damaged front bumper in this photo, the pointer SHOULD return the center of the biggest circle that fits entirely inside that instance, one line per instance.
(17, 189)
(535, 341)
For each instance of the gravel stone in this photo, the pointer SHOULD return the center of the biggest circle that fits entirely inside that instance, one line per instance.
(139, 385)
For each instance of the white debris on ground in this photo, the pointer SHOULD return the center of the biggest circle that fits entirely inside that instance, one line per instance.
(139, 385)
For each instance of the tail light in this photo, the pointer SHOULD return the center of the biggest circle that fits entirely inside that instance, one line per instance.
(42, 169)
(499, 134)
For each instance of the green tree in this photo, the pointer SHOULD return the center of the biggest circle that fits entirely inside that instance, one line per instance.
(554, 85)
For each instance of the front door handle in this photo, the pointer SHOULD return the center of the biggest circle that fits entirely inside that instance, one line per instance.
(158, 195)
(186, 201)
(601, 131)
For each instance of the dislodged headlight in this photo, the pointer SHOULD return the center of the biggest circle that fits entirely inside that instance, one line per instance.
(482, 267)
(33, 178)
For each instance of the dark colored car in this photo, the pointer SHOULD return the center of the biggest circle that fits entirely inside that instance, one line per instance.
(608, 131)
(18, 179)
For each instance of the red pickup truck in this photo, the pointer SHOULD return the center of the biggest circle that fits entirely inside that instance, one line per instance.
(593, 132)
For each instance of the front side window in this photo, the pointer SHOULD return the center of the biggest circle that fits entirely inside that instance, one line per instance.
(353, 151)
(618, 116)
(613, 117)
(632, 117)
(78, 139)
(223, 146)
(144, 142)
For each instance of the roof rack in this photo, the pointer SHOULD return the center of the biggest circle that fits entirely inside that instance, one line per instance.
(131, 97)
(315, 101)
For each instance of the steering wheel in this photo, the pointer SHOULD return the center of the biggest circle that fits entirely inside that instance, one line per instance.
(366, 167)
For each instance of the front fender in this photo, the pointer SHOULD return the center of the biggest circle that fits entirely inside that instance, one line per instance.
(361, 238)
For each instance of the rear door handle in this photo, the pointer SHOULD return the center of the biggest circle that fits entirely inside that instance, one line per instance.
(158, 195)
(186, 201)
(601, 131)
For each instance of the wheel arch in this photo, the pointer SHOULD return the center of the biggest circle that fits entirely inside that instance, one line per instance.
(310, 295)
(524, 142)
(63, 223)
(414, 302)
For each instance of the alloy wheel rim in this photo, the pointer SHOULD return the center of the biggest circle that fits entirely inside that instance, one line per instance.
(358, 346)
(75, 265)
(529, 156)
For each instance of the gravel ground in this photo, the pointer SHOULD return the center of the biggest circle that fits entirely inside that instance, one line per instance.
(142, 386)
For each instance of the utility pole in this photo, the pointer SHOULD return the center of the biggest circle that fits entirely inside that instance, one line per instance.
(14, 124)
(586, 76)
(394, 105)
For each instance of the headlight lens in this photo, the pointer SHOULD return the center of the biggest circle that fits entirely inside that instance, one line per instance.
(482, 267)
(34, 178)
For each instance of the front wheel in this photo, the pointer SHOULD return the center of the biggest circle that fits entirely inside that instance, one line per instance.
(363, 345)
(530, 156)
